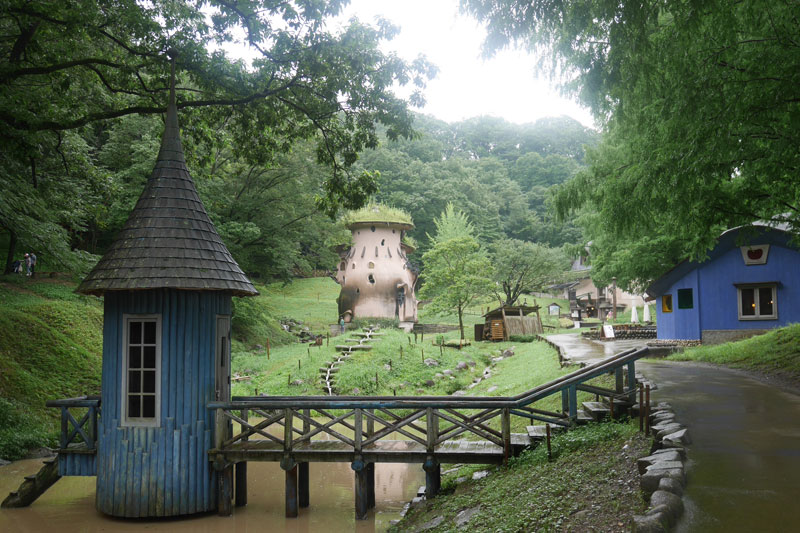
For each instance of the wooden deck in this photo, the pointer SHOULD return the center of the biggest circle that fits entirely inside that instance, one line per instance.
(385, 451)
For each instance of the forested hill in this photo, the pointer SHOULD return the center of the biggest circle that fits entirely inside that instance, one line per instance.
(497, 172)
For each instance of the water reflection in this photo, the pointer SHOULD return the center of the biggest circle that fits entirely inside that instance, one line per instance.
(69, 505)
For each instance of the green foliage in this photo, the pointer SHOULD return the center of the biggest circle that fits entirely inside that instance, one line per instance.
(523, 267)
(19, 432)
(700, 105)
(70, 68)
(775, 352)
(522, 338)
(456, 269)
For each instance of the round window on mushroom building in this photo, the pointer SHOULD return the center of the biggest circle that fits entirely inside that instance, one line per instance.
(371, 264)
(371, 278)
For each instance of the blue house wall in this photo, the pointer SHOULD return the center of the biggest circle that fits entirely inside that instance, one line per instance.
(161, 471)
(715, 312)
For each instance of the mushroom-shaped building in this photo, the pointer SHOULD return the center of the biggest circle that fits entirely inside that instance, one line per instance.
(376, 276)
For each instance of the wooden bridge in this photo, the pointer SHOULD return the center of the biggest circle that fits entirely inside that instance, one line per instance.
(364, 431)
(298, 430)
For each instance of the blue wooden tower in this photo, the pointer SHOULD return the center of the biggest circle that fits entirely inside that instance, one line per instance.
(167, 282)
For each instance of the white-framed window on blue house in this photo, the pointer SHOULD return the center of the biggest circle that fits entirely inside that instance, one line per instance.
(757, 301)
(141, 366)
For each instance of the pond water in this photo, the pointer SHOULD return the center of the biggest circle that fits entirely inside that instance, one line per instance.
(68, 506)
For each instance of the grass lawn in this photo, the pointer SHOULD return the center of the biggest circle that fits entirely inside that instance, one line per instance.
(775, 352)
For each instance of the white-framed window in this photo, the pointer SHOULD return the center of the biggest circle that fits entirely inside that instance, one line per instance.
(141, 366)
(757, 301)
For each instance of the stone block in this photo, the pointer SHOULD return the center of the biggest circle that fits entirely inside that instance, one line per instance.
(671, 485)
(671, 502)
(649, 524)
(679, 438)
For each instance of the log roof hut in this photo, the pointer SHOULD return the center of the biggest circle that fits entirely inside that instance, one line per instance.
(505, 321)
(167, 282)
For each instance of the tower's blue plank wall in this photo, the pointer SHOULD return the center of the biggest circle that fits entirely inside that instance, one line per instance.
(161, 471)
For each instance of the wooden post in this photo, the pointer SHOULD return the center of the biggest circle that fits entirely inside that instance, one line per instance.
(564, 401)
(619, 379)
(506, 426)
(549, 449)
(362, 488)
(267, 349)
(401, 352)
(573, 402)
(291, 491)
(241, 473)
(647, 410)
(304, 472)
(225, 491)
(641, 408)
(370, 475)
(328, 339)
(632, 382)
(614, 297)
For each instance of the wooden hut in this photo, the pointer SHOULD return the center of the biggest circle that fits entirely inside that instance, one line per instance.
(503, 322)
(167, 282)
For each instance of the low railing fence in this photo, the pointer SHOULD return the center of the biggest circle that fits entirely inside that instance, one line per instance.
(84, 427)
(292, 421)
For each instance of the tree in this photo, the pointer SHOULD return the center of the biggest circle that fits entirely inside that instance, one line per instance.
(522, 267)
(699, 100)
(456, 269)
(68, 65)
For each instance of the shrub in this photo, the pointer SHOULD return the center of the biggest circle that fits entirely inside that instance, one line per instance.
(522, 338)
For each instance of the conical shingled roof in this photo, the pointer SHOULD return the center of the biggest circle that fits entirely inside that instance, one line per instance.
(168, 240)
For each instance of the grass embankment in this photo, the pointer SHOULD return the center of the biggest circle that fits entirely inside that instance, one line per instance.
(591, 484)
(50, 348)
(776, 352)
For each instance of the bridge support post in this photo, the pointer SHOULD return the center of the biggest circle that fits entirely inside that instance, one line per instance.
(371, 485)
(433, 477)
(241, 484)
(362, 488)
(225, 491)
(564, 401)
(290, 467)
(303, 498)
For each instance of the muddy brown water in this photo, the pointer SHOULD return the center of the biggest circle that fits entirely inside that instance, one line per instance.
(744, 460)
(68, 506)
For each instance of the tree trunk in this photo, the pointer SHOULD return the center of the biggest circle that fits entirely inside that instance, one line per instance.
(461, 322)
(12, 247)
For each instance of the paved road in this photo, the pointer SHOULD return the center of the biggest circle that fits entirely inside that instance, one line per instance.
(744, 471)
(575, 349)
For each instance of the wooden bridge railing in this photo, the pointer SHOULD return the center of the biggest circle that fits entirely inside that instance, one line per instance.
(71, 427)
(428, 421)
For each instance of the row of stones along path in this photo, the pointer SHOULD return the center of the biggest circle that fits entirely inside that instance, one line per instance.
(358, 341)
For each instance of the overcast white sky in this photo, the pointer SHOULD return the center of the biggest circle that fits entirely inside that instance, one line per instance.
(467, 86)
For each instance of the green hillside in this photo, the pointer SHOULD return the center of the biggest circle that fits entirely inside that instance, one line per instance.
(50, 347)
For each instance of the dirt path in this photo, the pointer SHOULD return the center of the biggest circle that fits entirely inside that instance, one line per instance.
(744, 473)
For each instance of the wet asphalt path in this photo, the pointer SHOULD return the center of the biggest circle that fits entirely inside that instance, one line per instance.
(744, 470)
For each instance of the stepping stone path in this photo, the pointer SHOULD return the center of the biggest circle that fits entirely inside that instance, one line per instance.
(359, 341)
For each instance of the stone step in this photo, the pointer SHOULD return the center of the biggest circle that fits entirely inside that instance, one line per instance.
(538, 433)
(354, 347)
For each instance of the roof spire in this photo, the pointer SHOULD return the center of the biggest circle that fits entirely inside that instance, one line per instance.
(171, 142)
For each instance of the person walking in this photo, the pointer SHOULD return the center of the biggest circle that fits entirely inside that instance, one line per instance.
(33, 264)
(27, 264)
(341, 324)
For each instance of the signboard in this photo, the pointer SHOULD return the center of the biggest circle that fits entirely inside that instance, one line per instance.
(608, 331)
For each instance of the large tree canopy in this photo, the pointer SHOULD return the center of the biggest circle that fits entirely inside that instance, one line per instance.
(701, 104)
(68, 65)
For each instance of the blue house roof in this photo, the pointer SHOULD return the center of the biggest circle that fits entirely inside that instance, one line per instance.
(739, 236)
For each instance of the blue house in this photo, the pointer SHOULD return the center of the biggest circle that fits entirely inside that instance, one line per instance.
(738, 291)
(167, 282)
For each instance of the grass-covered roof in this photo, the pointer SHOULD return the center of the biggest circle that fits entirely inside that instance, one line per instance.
(378, 213)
